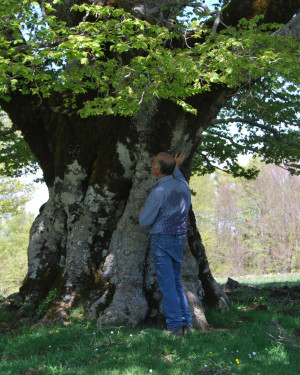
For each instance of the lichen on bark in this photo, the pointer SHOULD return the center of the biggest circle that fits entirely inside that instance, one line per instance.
(86, 242)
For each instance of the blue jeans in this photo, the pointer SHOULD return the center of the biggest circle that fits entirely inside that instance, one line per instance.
(167, 252)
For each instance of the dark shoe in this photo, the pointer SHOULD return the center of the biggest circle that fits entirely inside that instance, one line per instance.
(186, 330)
(176, 332)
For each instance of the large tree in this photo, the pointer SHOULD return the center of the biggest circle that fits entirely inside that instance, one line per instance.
(97, 88)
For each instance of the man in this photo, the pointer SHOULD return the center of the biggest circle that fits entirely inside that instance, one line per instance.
(165, 213)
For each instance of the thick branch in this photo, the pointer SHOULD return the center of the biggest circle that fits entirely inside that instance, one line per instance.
(217, 22)
(173, 3)
(291, 29)
(280, 11)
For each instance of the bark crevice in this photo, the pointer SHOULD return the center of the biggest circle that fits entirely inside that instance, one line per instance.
(87, 241)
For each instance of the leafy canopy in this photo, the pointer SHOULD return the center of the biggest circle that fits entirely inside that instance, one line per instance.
(15, 156)
(117, 61)
(266, 124)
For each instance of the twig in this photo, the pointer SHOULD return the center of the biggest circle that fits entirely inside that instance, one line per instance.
(282, 337)
(216, 371)
(223, 372)
(99, 326)
(186, 39)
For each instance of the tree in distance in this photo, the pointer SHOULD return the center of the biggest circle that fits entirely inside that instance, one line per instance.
(13, 196)
(239, 219)
(14, 230)
(97, 88)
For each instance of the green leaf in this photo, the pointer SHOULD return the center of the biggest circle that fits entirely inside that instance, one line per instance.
(84, 61)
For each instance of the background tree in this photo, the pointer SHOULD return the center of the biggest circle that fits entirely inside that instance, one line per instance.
(269, 220)
(253, 225)
(13, 251)
(204, 203)
(13, 196)
(96, 91)
(14, 227)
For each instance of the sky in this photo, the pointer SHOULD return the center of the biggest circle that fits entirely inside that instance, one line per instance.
(40, 195)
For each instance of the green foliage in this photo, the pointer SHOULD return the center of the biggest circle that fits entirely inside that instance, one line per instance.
(119, 61)
(44, 305)
(13, 251)
(264, 121)
(242, 334)
(15, 156)
(13, 196)
(125, 60)
(267, 280)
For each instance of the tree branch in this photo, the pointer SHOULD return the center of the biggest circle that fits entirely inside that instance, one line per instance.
(212, 165)
(245, 147)
(175, 3)
(209, 162)
(217, 21)
(267, 128)
(273, 11)
(291, 29)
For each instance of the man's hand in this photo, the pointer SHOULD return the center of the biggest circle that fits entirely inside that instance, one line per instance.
(179, 158)
(141, 209)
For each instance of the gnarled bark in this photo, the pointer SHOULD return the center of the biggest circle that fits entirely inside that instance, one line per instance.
(87, 241)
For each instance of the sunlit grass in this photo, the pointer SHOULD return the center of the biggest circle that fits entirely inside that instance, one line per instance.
(266, 280)
(239, 342)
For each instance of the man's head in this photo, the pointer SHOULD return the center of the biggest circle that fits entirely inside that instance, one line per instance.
(163, 164)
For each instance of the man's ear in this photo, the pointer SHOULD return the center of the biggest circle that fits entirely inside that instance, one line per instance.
(156, 170)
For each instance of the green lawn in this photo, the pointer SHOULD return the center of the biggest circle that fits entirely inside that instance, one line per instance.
(258, 335)
(267, 280)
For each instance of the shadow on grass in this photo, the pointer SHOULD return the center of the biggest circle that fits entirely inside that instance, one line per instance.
(244, 340)
(82, 349)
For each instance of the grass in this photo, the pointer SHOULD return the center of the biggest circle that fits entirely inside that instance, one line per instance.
(245, 340)
(278, 280)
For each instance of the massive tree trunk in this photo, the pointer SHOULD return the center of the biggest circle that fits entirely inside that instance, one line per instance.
(87, 241)
(86, 244)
